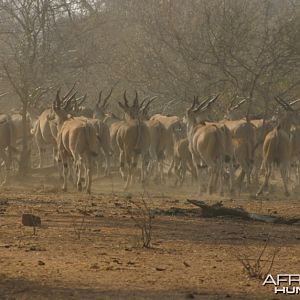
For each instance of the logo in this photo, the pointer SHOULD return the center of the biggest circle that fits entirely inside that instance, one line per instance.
(288, 284)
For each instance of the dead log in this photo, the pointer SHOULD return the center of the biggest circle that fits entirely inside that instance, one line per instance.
(217, 210)
(31, 220)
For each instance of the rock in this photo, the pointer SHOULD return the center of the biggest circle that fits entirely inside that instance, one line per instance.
(116, 260)
(31, 220)
(36, 248)
(95, 266)
(41, 263)
(186, 264)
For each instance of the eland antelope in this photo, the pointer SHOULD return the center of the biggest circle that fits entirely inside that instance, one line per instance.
(171, 124)
(277, 147)
(77, 139)
(45, 130)
(158, 141)
(133, 140)
(206, 143)
(243, 140)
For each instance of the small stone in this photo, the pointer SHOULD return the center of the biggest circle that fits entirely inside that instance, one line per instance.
(95, 266)
(186, 264)
(41, 263)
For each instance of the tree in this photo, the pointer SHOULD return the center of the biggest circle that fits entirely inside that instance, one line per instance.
(28, 55)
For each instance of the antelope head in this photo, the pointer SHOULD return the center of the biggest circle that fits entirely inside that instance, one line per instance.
(60, 109)
(64, 99)
(101, 106)
(144, 108)
(199, 111)
(232, 108)
(131, 111)
(77, 103)
(291, 116)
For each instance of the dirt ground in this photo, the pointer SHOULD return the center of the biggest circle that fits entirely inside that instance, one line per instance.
(88, 247)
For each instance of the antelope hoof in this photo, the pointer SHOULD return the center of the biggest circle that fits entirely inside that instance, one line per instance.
(287, 194)
(88, 191)
(64, 189)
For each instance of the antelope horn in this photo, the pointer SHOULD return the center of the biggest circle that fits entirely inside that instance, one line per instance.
(150, 101)
(57, 100)
(231, 102)
(4, 94)
(200, 105)
(81, 99)
(210, 102)
(136, 100)
(193, 104)
(283, 103)
(144, 101)
(287, 104)
(125, 99)
(68, 101)
(239, 104)
(99, 98)
(69, 92)
(294, 102)
(107, 97)
(76, 108)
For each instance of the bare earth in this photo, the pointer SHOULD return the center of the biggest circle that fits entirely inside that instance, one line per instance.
(191, 257)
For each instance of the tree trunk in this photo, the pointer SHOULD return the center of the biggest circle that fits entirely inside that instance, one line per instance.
(25, 163)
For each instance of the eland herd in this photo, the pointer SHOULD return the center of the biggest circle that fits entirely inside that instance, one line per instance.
(84, 138)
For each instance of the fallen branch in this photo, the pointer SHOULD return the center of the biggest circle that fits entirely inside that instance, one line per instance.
(217, 209)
